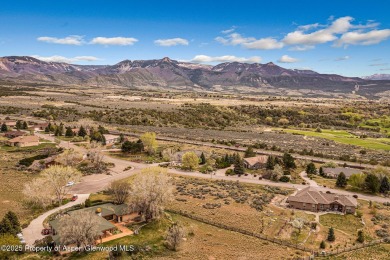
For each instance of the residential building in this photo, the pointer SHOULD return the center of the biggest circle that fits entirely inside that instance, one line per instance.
(9, 123)
(39, 127)
(13, 134)
(334, 172)
(107, 215)
(256, 162)
(24, 141)
(111, 139)
(311, 199)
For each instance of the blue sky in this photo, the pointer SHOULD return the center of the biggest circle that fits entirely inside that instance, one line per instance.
(350, 38)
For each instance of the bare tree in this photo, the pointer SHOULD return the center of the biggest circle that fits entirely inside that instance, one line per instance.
(120, 190)
(150, 191)
(57, 177)
(96, 156)
(69, 158)
(174, 236)
(298, 223)
(79, 228)
(39, 192)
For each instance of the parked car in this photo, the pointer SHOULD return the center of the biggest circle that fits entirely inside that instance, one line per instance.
(71, 183)
(74, 198)
(45, 231)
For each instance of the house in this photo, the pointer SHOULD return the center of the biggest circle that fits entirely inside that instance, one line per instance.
(334, 172)
(13, 134)
(111, 139)
(39, 127)
(9, 123)
(39, 165)
(311, 199)
(107, 215)
(256, 162)
(24, 141)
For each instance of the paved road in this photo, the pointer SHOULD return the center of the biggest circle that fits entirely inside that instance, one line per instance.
(33, 231)
(303, 175)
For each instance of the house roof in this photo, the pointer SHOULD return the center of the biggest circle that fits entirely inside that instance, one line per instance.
(336, 171)
(24, 139)
(257, 159)
(111, 137)
(15, 133)
(107, 209)
(312, 195)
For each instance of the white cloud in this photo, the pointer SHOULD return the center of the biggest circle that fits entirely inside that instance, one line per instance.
(250, 42)
(363, 38)
(57, 58)
(225, 58)
(232, 29)
(301, 48)
(171, 42)
(342, 58)
(378, 64)
(287, 59)
(122, 41)
(328, 34)
(71, 40)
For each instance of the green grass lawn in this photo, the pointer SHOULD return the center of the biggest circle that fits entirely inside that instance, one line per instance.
(26, 149)
(344, 137)
(347, 223)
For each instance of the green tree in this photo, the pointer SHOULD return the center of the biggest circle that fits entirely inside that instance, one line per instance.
(82, 132)
(190, 160)
(6, 227)
(18, 124)
(150, 142)
(341, 180)
(322, 245)
(69, 132)
(8, 240)
(25, 125)
(357, 180)
(4, 128)
(249, 152)
(132, 147)
(13, 218)
(372, 183)
(331, 236)
(385, 187)
(121, 138)
(239, 165)
(360, 238)
(311, 168)
(270, 164)
(321, 172)
(288, 161)
(202, 158)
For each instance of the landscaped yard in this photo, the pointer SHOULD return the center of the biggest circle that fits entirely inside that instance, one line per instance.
(346, 223)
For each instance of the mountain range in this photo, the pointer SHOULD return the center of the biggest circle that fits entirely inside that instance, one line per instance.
(171, 74)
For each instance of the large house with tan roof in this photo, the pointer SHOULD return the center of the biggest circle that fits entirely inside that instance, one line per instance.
(311, 199)
(256, 162)
(24, 141)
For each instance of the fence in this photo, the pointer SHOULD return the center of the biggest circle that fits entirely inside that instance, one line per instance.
(280, 242)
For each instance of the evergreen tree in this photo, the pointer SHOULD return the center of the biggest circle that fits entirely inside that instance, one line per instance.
(331, 236)
(47, 129)
(13, 218)
(270, 164)
(82, 132)
(18, 124)
(360, 238)
(322, 245)
(6, 227)
(372, 183)
(69, 132)
(341, 180)
(25, 125)
(61, 129)
(321, 172)
(121, 138)
(4, 128)
(288, 161)
(239, 166)
(249, 152)
(385, 186)
(202, 159)
(311, 168)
